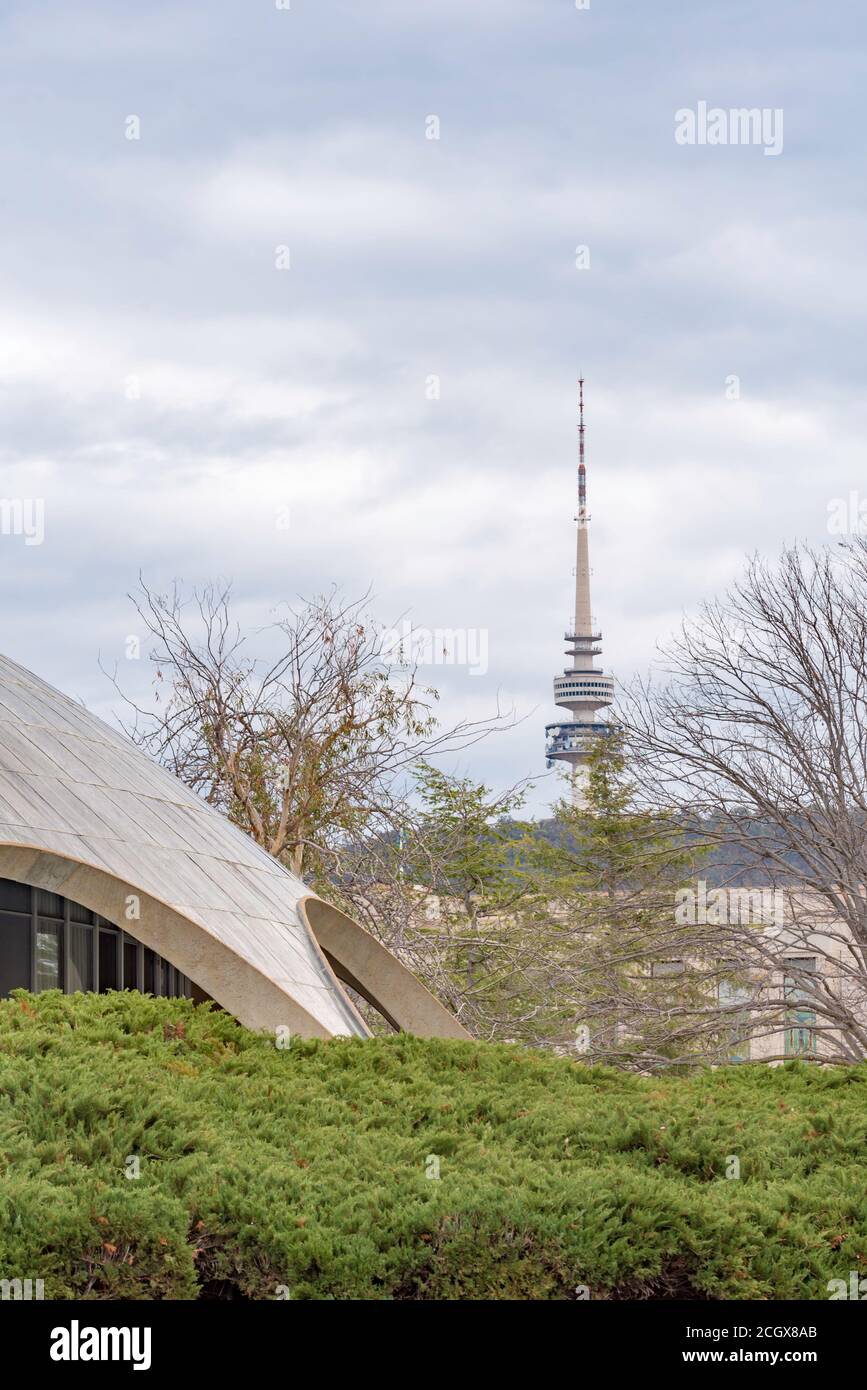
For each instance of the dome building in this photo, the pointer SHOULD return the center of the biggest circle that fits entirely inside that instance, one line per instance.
(114, 875)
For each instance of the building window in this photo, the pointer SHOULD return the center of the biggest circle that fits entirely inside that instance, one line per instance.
(109, 942)
(130, 963)
(80, 958)
(801, 1039)
(800, 1035)
(14, 951)
(15, 897)
(662, 969)
(730, 994)
(48, 942)
(150, 971)
(49, 958)
(48, 904)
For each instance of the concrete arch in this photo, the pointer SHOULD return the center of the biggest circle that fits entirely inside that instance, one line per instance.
(231, 980)
(363, 963)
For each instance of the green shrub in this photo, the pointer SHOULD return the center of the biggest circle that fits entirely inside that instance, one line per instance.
(306, 1169)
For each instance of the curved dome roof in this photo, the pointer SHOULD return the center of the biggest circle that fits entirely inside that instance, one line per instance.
(84, 813)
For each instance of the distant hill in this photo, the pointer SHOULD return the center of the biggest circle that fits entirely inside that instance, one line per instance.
(727, 865)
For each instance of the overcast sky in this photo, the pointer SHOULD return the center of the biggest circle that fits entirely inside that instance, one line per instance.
(172, 394)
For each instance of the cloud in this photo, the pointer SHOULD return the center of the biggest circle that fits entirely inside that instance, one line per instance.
(184, 408)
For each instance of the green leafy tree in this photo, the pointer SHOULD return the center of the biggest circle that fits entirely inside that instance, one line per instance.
(474, 864)
(644, 987)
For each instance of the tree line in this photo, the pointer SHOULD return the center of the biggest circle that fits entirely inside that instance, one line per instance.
(618, 929)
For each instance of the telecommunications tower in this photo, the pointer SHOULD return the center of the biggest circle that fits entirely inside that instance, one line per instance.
(582, 689)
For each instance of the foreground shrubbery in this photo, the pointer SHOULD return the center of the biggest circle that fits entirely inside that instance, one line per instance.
(306, 1168)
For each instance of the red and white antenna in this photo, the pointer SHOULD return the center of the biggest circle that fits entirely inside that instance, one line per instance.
(582, 471)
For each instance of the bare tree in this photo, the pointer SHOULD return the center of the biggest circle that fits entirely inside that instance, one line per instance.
(307, 749)
(756, 738)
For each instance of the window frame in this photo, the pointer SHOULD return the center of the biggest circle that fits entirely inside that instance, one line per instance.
(28, 917)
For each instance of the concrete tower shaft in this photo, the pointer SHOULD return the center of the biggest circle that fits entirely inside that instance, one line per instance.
(583, 615)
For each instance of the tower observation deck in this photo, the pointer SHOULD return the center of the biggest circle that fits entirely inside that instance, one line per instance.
(583, 689)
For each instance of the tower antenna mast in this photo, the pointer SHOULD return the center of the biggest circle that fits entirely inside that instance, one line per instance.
(582, 471)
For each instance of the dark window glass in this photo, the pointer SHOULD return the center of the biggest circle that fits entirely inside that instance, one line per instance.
(80, 914)
(149, 971)
(14, 953)
(80, 958)
(107, 961)
(49, 955)
(14, 897)
(130, 965)
(48, 904)
(800, 1040)
(165, 983)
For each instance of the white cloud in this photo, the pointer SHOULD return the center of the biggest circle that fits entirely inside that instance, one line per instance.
(262, 395)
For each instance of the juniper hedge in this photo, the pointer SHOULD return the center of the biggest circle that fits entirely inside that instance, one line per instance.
(154, 1149)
